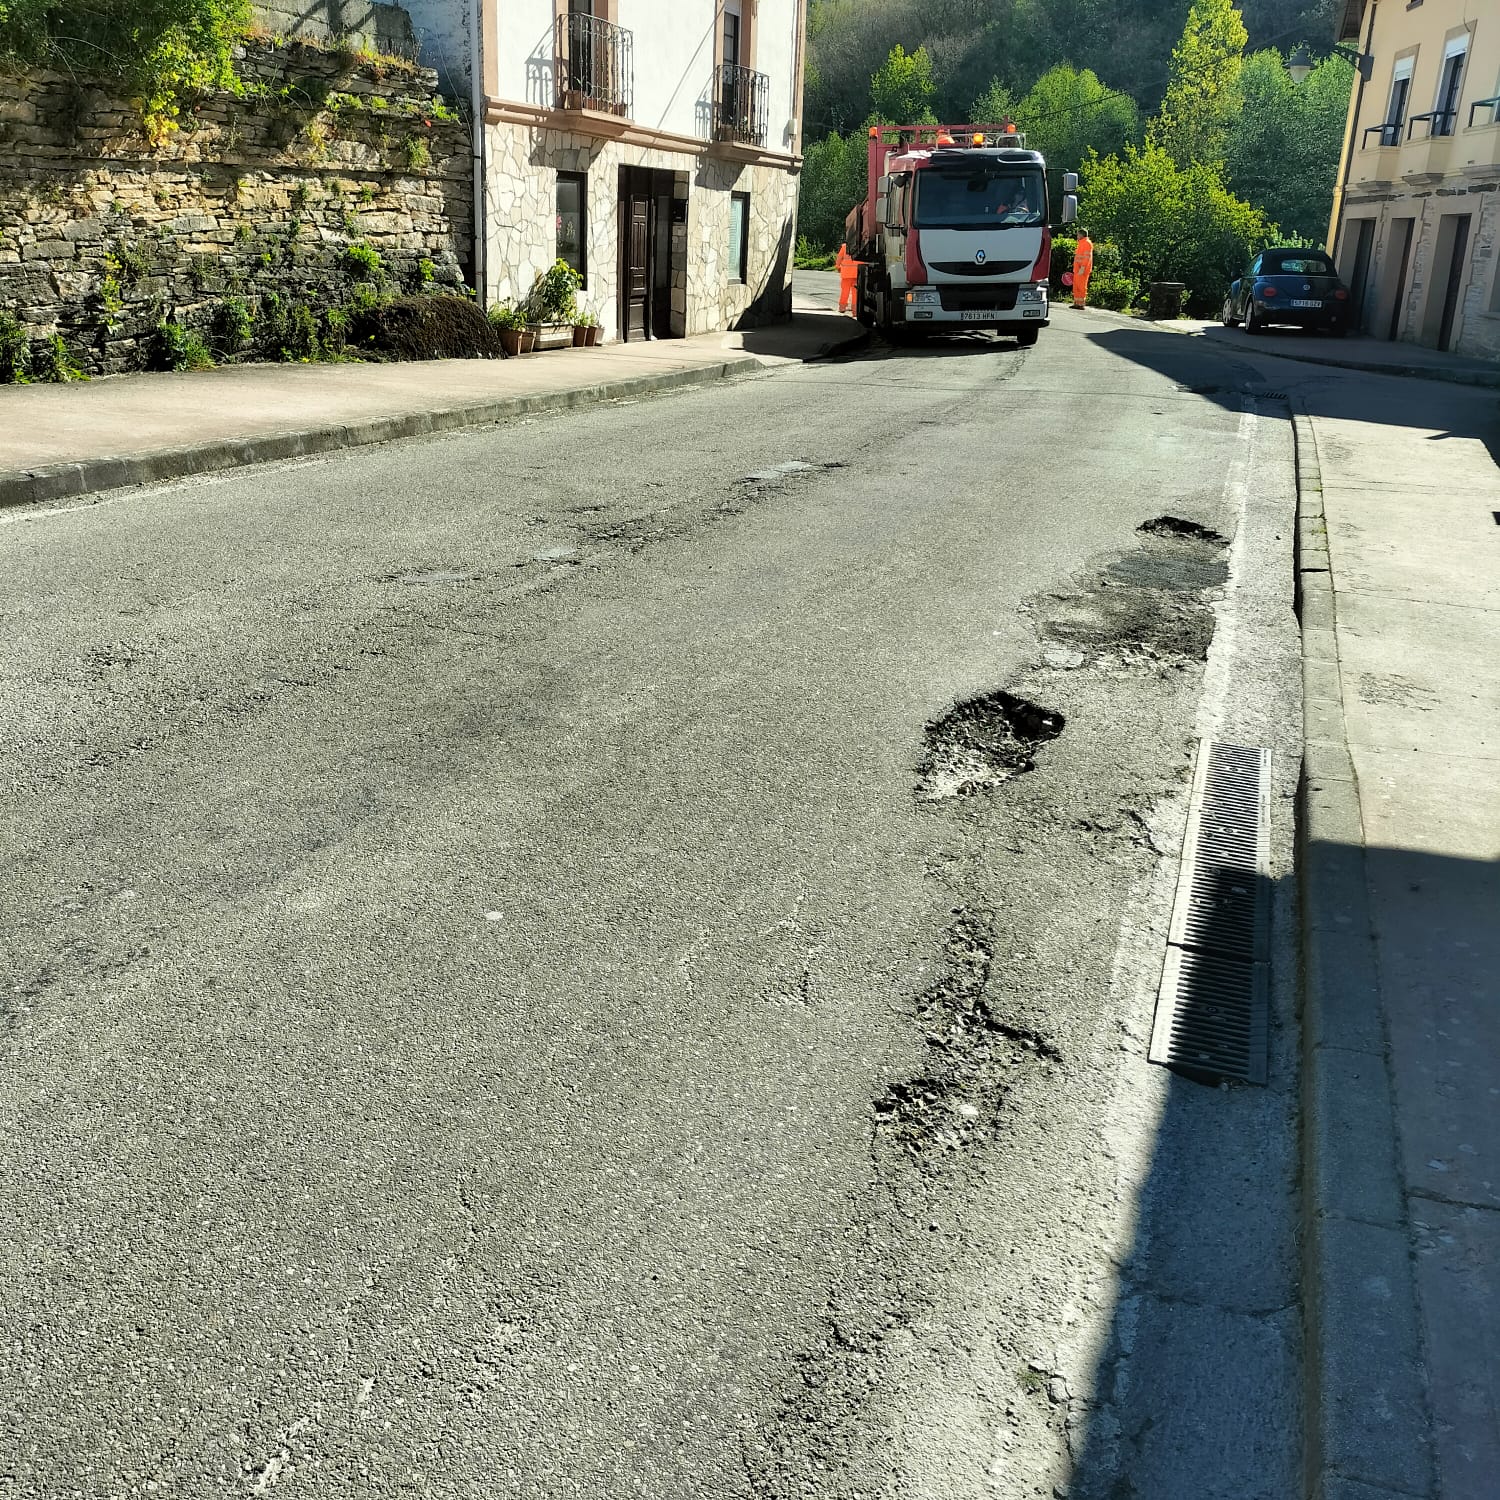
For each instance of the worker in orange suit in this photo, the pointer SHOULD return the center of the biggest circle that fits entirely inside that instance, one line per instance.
(848, 269)
(1083, 268)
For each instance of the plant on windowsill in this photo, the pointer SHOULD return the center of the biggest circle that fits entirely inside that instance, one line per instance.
(585, 331)
(510, 323)
(552, 306)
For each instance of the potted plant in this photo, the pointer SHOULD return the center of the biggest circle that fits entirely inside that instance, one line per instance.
(585, 331)
(510, 323)
(552, 307)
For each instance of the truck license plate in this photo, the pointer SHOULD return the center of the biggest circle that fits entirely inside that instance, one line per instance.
(976, 315)
(1296, 303)
(1031, 312)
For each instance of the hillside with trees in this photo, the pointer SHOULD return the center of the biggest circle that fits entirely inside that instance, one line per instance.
(1195, 144)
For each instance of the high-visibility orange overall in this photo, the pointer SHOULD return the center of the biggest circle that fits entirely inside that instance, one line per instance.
(1083, 268)
(848, 269)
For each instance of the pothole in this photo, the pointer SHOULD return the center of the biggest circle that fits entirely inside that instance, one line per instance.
(976, 1056)
(981, 743)
(1176, 526)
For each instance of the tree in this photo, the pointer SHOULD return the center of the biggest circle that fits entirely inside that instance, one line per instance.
(994, 106)
(834, 175)
(1069, 113)
(902, 91)
(1201, 97)
(1283, 150)
(1172, 222)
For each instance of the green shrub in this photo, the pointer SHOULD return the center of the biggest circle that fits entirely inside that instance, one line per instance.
(177, 348)
(53, 361)
(234, 323)
(363, 263)
(1113, 290)
(15, 352)
(507, 315)
(160, 50)
(417, 154)
(554, 295)
(431, 327)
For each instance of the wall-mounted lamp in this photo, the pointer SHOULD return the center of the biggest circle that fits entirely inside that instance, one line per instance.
(1300, 63)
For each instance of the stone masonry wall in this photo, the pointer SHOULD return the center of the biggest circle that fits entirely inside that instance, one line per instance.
(521, 214)
(103, 236)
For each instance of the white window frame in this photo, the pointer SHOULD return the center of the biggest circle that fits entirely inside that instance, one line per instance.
(1458, 46)
(1402, 72)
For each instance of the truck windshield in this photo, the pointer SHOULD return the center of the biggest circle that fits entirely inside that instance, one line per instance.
(979, 198)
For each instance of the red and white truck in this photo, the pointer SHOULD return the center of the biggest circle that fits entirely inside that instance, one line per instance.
(955, 231)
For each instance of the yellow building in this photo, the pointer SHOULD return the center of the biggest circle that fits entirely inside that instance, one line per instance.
(1416, 218)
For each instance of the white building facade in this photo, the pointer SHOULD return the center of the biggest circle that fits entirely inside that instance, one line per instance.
(655, 145)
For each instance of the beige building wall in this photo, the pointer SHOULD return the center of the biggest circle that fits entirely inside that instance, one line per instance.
(1417, 223)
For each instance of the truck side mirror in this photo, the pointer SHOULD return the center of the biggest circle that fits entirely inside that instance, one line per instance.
(1070, 182)
(1070, 208)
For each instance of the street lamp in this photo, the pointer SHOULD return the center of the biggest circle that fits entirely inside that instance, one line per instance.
(1300, 63)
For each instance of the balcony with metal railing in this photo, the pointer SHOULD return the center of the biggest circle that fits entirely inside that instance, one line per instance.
(742, 106)
(595, 65)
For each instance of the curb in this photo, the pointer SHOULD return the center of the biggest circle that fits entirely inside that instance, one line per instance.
(1366, 1427)
(65, 481)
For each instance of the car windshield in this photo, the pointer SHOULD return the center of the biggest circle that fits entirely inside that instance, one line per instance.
(979, 198)
(1300, 264)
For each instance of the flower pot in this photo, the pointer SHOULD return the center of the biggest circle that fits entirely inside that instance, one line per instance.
(528, 340)
(512, 339)
(580, 336)
(594, 332)
(552, 335)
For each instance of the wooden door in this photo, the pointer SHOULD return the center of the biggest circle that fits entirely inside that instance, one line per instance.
(636, 290)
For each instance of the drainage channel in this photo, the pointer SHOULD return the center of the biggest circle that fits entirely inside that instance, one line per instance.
(1212, 1012)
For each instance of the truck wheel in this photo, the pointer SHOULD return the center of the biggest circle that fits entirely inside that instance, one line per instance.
(1026, 337)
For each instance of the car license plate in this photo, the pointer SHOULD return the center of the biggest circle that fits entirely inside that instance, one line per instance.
(976, 315)
(1296, 303)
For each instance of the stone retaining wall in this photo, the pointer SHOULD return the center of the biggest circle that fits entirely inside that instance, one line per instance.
(103, 236)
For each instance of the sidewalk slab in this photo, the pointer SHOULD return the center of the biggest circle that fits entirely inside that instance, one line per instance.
(62, 440)
(1402, 1029)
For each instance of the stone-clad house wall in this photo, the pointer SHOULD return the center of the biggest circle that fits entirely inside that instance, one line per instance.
(521, 223)
(102, 235)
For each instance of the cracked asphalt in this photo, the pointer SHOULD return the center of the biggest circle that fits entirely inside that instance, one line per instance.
(613, 954)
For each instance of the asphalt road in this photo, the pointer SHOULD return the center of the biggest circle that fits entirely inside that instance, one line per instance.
(516, 988)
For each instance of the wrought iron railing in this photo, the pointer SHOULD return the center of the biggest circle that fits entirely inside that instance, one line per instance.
(595, 65)
(1389, 131)
(742, 105)
(1493, 105)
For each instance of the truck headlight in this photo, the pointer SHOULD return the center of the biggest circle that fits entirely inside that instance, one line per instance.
(923, 296)
(1032, 294)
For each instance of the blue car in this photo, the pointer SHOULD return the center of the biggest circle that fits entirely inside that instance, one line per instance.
(1299, 287)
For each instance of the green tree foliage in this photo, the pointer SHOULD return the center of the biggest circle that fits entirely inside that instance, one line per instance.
(994, 106)
(1202, 95)
(1069, 112)
(159, 50)
(902, 91)
(1172, 222)
(834, 174)
(1284, 149)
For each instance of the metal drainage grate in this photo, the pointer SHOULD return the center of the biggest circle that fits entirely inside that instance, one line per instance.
(1211, 1013)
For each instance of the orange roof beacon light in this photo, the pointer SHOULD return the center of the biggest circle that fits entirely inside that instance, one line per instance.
(977, 139)
(1010, 130)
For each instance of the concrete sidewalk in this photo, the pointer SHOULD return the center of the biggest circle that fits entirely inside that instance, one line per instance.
(62, 440)
(1400, 585)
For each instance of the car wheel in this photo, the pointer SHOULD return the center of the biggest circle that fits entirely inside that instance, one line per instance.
(1253, 323)
(1226, 316)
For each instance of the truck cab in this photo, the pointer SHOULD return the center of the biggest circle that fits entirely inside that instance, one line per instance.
(955, 232)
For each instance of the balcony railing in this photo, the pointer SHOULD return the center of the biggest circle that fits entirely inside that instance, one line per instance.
(742, 105)
(595, 65)
(1389, 131)
(1438, 122)
(1493, 105)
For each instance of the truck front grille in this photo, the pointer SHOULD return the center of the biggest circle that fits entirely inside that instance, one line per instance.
(979, 298)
